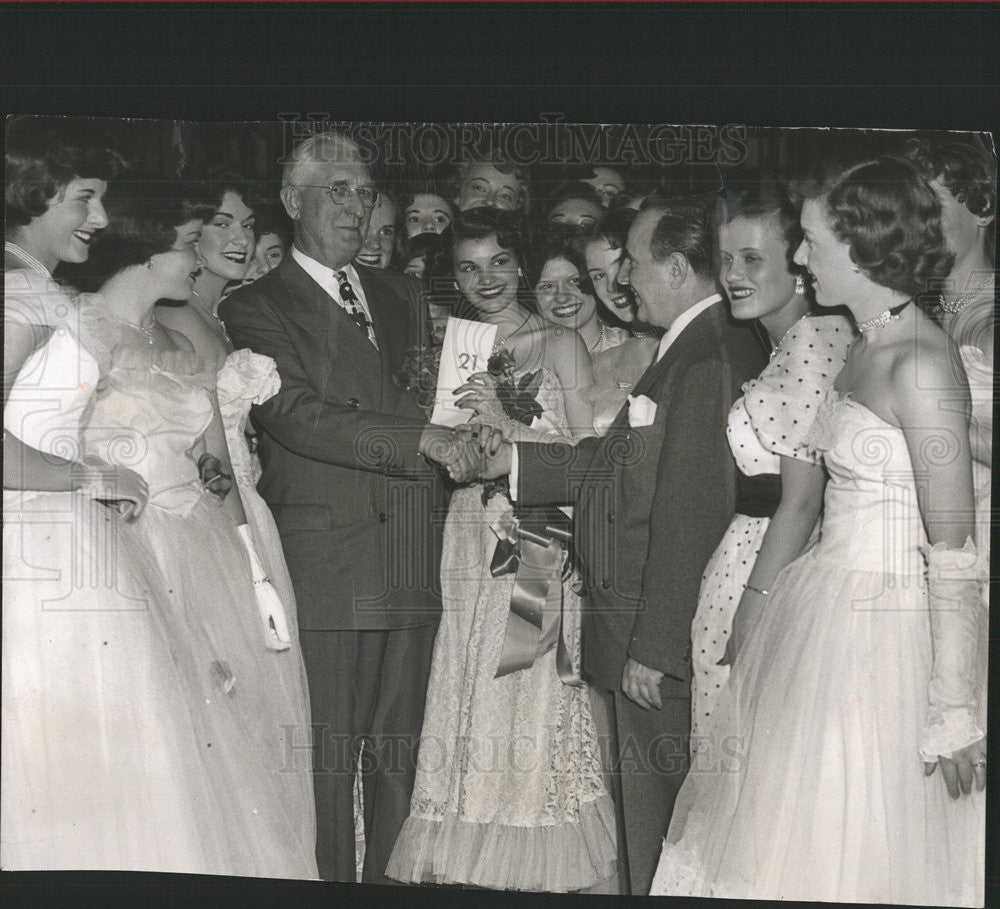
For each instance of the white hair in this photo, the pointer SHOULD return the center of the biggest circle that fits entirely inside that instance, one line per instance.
(322, 148)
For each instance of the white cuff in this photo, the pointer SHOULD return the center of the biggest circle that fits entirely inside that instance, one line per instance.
(512, 479)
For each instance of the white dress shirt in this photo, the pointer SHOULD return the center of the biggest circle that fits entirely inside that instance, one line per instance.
(673, 333)
(683, 321)
(326, 278)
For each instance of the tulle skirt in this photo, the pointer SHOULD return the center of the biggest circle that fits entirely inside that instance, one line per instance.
(252, 704)
(102, 754)
(808, 784)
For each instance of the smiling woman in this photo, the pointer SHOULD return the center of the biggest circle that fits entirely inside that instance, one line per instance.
(55, 180)
(516, 800)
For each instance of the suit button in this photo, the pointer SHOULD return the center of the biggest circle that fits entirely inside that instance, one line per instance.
(353, 402)
(383, 517)
(606, 584)
(611, 517)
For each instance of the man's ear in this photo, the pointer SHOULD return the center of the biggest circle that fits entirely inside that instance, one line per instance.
(292, 200)
(985, 221)
(678, 269)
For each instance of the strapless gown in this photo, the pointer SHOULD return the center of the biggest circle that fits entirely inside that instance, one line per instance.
(809, 784)
(250, 702)
(102, 752)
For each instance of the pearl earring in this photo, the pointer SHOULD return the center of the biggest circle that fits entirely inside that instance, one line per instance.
(149, 264)
(800, 284)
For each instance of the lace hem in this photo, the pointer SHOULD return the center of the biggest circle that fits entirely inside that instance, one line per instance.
(553, 859)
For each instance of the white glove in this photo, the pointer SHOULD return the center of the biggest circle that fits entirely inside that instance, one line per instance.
(269, 605)
(954, 715)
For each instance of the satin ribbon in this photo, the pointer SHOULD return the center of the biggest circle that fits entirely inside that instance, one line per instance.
(533, 548)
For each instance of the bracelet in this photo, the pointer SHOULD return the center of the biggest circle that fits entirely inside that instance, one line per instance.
(260, 582)
(763, 593)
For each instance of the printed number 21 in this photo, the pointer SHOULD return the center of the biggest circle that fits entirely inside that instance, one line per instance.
(467, 361)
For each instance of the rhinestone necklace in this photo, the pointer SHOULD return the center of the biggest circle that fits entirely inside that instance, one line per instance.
(956, 306)
(883, 318)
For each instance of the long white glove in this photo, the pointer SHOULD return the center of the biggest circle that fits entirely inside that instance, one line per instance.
(954, 716)
(269, 605)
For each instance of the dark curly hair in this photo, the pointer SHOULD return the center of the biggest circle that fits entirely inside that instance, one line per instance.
(613, 228)
(969, 172)
(566, 191)
(143, 217)
(480, 224)
(761, 199)
(558, 244)
(211, 187)
(43, 154)
(891, 218)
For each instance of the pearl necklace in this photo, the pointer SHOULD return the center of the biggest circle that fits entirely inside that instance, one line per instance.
(883, 318)
(26, 257)
(956, 306)
(599, 341)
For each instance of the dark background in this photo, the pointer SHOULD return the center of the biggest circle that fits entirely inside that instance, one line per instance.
(894, 66)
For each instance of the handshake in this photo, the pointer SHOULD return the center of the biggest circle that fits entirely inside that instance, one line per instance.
(468, 452)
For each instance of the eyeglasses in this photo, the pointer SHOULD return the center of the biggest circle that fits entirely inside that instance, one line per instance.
(340, 193)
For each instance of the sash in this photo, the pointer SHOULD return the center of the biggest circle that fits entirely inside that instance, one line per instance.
(534, 548)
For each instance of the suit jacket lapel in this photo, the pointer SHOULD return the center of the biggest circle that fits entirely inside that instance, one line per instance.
(650, 380)
(314, 309)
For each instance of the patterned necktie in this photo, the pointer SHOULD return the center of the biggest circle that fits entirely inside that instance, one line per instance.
(349, 300)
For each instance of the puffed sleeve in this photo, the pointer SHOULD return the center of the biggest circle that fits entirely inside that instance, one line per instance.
(782, 402)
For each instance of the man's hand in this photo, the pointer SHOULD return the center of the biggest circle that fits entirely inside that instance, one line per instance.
(462, 459)
(491, 442)
(642, 684)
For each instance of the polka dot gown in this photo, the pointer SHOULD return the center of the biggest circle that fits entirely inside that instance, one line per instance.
(771, 419)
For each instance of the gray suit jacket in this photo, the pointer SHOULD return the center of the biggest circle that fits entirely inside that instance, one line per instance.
(359, 512)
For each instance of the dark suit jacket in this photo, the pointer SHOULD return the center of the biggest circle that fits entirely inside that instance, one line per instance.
(652, 503)
(358, 511)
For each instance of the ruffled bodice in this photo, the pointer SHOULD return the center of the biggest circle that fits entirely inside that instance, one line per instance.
(871, 521)
(152, 411)
(245, 378)
(773, 416)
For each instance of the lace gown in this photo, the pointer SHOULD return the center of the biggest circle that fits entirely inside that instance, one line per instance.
(813, 788)
(102, 755)
(249, 702)
(771, 419)
(509, 791)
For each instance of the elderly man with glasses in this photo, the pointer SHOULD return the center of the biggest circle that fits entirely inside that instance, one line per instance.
(354, 503)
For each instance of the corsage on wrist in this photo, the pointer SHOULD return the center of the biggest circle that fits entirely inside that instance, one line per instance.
(212, 476)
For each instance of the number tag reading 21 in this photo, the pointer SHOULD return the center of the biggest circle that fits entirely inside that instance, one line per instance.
(465, 351)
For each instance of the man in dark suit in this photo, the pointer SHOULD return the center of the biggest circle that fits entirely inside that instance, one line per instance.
(352, 500)
(653, 498)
